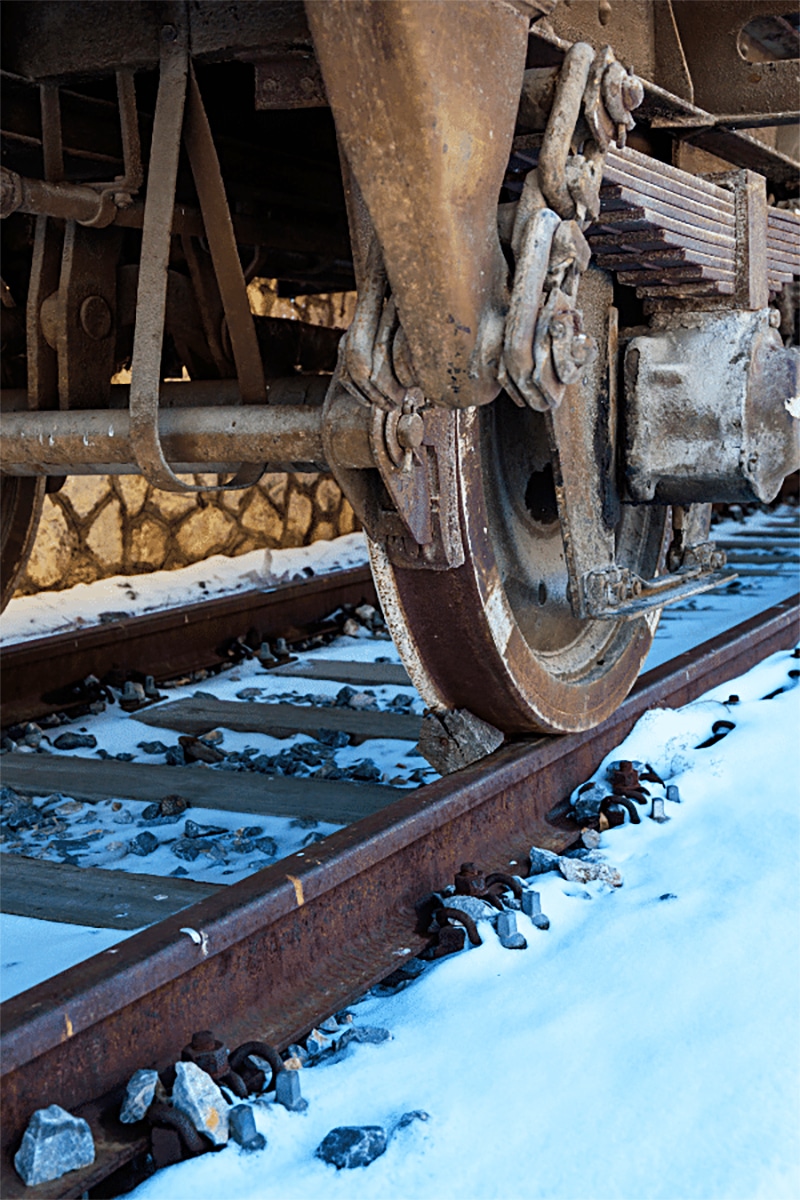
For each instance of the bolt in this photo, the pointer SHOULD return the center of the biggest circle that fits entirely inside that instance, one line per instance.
(532, 907)
(657, 812)
(580, 349)
(558, 330)
(168, 33)
(203, 1040)
(410, 431)
(281, 648)
(265, 656)
(95, 318)
(470, 880)
(632, 92)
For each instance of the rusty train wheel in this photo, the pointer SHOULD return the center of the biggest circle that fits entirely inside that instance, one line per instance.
(20, 507)
(496, 636)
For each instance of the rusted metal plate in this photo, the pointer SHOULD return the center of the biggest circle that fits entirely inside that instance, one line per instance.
(306, 936)
(169, 644)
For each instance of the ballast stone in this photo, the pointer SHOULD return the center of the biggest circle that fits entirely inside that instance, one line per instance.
(350, 1146)
(196, 1095)
(54, 1142)
(139, 1096)
(543, 861)
(578, 870)
(472, 906)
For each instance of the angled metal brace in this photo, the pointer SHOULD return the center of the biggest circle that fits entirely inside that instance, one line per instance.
(173, 99)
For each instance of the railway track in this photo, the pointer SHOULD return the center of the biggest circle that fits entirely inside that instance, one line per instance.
(331, 919)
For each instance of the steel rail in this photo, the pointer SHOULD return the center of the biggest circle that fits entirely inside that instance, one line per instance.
(170, 643)
(294, 943)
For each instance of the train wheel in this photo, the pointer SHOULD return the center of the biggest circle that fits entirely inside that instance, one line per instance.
(20, 507)
(497, 636)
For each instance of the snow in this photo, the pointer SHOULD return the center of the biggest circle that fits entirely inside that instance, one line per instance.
(645, 1047)
(33, 951)
(83, 605)
(133, 595)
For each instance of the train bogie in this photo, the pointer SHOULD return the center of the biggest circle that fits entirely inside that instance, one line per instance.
(576, 315)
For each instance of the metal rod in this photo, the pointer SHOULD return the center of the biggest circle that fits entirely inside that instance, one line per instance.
(204, 439)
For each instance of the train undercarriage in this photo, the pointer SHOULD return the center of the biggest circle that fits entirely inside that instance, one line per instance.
(577, 299)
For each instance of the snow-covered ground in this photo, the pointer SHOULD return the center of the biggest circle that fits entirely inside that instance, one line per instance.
(645, 1047)
(32, 950)
(133, 595)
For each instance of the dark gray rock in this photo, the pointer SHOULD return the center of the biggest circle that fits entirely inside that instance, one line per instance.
(350, 1146)
(267, 846)
(192, 830)
(372, 1034)
(365, 771)
(344, 696)
(54, 1142)
(336, 738)
(139, 1096)
(298, 1052)
(242, 1127)
(265, 763)
(175, 757)
(75, 741)
(473, 906)
(22, 814)
(143, 844)
(151, 747)
(287, 1091)
(586, 805)
(543, 861)
(189, 848)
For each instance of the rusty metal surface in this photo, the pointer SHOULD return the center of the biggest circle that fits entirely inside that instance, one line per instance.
(708, 415)
(413, 99)
(217, 438)
(20, 505)
(168, 644)
(302, 938)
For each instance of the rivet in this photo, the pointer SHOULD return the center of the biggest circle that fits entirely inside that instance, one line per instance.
(95, 318)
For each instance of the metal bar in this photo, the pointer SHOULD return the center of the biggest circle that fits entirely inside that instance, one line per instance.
(306, 936)
(222, 244)
(46, 443)
(293, 390)
(151, 297)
